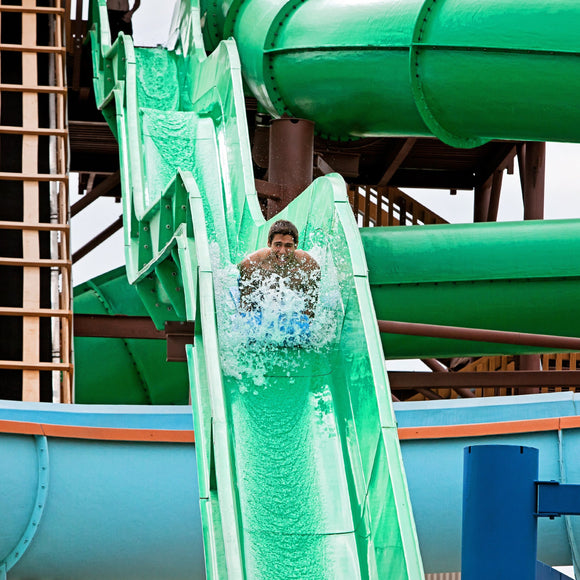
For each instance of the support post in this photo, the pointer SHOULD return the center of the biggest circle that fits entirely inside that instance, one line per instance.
(291, 159)
(529, 362)
(482, 197)
(499, 532)
(533, 186)
(534, 180)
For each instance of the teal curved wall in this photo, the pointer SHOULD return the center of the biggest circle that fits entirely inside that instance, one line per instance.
(130, 510)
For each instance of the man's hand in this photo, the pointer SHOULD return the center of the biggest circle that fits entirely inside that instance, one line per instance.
(128, 15)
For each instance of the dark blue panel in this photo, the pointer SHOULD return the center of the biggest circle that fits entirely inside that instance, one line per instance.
(544, 572)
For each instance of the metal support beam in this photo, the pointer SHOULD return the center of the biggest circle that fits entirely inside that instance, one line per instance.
(529, 362)
(429, 394)
(556, 499)
(534, 180)
(119, 326)
(177, 333)
(482, 197)
(499, 530)
(269, 190)
(398, 156)
(533, 166)
(542, 341)
(291, 159)
(438, 367)
(111, 182)
(495, 194)
(98, 239)
(435, 365)
(402, 380)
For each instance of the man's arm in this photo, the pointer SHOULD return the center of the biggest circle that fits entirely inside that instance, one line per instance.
(249, 281)
(128, 15)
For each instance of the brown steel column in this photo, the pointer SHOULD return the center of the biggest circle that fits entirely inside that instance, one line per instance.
(481, 201)
(291, 159)
(533, 183)
(529, 362)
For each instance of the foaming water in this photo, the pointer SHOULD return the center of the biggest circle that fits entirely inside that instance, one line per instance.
(252, 340)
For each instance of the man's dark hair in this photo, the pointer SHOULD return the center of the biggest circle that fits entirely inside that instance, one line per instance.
(285, 228)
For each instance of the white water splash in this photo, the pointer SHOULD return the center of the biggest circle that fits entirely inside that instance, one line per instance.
(259, 341)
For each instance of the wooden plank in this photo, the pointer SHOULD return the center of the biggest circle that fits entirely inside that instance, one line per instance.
(31, 88)
(31, 48)
(9, 130)
(41, 366)
(379, 221)
(66, 338)
(351, 193)
(42, 263)
(44, 226)
(43, 312)
(32, 9)
(8, 176)
(367, 207)
(391, 217)
(30, 238)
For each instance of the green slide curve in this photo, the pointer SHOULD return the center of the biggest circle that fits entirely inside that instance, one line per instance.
(464, 71)
(300, 470)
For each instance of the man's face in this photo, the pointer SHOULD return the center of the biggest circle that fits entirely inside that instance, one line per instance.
(282, 246)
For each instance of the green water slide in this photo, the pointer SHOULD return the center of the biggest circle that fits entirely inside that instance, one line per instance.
(464, 71)
(511, 276)
(137, 372)
(300, 470)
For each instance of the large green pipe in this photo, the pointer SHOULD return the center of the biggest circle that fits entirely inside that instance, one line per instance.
(464, 71)
(520, 276)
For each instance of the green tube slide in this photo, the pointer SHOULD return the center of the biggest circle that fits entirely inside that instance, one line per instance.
(299, 465)
(500, 276)
(461, 70)
(136, 372)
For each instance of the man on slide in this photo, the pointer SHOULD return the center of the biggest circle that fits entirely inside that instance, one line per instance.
(272, 275)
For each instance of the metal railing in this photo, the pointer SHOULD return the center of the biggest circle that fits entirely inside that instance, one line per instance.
(376, 206)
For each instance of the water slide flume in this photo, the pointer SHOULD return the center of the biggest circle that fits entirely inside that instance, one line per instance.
(324, 426)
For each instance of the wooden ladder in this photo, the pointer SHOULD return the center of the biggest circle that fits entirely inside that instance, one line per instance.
(40, 129)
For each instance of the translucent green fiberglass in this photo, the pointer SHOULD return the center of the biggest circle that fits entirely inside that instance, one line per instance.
(300, 471)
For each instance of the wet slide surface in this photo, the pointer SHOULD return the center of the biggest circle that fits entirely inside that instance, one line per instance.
(299, 467)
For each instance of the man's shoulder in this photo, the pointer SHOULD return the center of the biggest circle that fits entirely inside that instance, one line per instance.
(306, 260)
(254, 258)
